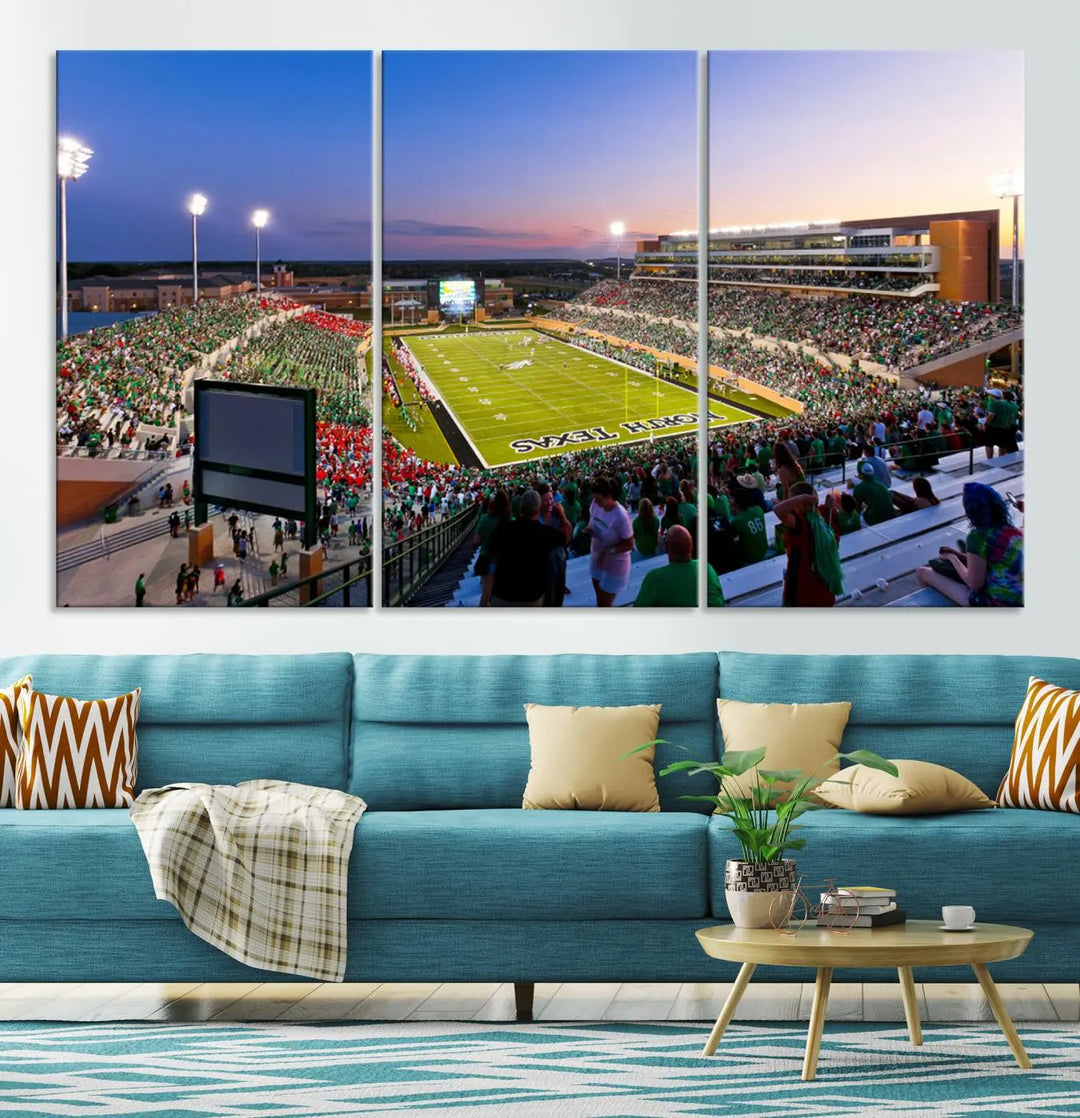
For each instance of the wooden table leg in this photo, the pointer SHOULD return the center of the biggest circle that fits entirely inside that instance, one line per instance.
(911, 1004)
(732, 1003)
(1001, 1014)
(817, 1022)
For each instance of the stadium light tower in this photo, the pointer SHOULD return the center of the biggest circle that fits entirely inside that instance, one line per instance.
(196, 207)
(1010, 184)
(259, 218)
(72, 159)
(618, 228)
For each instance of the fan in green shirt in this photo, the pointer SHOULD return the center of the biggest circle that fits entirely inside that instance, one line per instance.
(646, 528)
(872, 497)
(751, 535)
(676, 583)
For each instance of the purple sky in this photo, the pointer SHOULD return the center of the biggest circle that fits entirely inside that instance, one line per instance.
(519, 153)
(806, 135)
(532, 154)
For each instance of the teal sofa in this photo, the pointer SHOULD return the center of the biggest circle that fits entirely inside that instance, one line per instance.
(451, 881)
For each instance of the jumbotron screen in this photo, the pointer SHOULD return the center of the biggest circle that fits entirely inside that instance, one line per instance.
(457, 297)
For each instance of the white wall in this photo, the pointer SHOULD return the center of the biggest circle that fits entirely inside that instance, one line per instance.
(28, 620)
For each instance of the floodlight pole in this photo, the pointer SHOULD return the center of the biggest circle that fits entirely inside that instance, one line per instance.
(258, 263)
(194, 259)
(63, 259)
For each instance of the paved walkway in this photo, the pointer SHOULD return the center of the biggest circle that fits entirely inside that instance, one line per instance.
(110, 581)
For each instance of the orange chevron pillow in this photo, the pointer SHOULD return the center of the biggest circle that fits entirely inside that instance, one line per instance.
(76, 752)
(1044, 771)
(9, 738)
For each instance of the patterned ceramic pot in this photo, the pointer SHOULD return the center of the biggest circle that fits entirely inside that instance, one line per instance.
(759, 894)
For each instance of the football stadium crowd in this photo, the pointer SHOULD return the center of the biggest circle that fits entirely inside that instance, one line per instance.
(302, 352)
(850, 415)
(112, 379)
(896, 333)
(617, 502)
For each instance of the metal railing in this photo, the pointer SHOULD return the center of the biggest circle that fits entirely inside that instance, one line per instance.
(918, 462)
(333, 586)
(409, 564)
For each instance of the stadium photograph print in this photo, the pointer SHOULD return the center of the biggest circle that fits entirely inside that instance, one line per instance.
(882, 349)
(540, 420)
(213, 364)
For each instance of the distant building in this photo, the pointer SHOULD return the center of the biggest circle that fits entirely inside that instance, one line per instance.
(158, 291)
(951, 255)
(151, 292)
(498, 298)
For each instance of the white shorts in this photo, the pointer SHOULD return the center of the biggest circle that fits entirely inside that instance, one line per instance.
(608, 582)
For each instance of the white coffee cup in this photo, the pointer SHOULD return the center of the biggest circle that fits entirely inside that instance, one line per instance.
(958, 916)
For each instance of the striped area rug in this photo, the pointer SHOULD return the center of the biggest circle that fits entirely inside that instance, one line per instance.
(565, 1070)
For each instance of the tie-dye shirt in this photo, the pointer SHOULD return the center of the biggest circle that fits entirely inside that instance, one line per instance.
(1003, 550)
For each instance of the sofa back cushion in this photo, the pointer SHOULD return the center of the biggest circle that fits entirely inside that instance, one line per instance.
(219, 719)
(450, 731)
(957, 711)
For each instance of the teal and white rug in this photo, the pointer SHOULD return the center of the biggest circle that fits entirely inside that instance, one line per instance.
(535, 1071)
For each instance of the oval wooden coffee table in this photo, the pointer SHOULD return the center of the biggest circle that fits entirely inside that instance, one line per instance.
(918, 943)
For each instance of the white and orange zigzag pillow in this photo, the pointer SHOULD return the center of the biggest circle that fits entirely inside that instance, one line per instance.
(10, 735)
(1044, 771)
(77, 753)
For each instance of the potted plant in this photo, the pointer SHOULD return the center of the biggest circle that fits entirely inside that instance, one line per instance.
(759, 887)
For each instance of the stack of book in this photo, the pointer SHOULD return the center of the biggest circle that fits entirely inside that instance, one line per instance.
(860, 906)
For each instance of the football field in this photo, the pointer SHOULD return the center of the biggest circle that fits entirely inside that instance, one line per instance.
(519, 394)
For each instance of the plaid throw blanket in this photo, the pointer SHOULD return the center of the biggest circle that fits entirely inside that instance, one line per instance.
(258, 869)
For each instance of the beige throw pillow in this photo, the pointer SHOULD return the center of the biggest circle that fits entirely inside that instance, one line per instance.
(919, 788)
(577, 758)
(794, 735)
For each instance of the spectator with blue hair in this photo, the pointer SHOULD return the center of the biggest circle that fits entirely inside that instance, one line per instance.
(989, 571)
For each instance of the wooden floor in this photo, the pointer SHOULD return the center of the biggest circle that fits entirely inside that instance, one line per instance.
(488, 1001)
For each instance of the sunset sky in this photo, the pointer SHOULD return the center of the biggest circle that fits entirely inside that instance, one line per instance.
(495, 153)
(797, 135)
(286, 131)
(526, 154)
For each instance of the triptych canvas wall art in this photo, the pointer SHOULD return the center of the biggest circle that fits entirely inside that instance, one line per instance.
(525, 326)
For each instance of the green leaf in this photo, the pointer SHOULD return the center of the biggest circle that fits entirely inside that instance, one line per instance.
(871, 761)
(647, 745)
(802, 807)
(795, 844)
(675, 766)
(773, 775)
(741, 761)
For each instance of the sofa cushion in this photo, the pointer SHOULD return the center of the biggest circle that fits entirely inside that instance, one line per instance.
(219, 719)
(450, 731)
(85, 865)
(510, 864)
(499, 864)
(1012, 866)
(955, 710)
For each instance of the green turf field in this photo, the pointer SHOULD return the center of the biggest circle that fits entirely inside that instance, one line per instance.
(516, 400)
